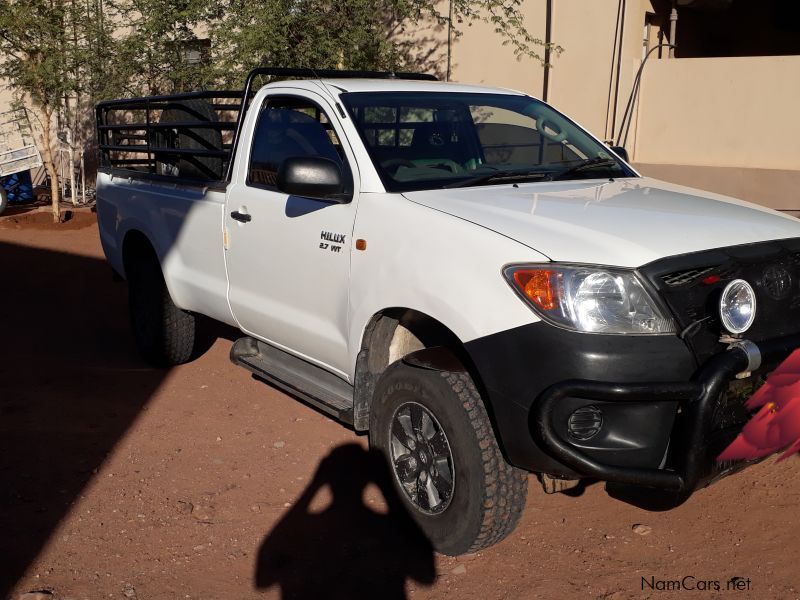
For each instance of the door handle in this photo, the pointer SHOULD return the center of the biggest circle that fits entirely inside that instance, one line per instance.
(241, 217)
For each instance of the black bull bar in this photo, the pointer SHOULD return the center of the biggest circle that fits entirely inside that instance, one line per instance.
(697, 395)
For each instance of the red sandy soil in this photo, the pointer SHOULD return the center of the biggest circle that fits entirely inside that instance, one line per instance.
(36, 217)
(122, 481)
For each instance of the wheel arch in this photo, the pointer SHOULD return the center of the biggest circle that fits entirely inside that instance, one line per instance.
(401, 333)
(136, 245)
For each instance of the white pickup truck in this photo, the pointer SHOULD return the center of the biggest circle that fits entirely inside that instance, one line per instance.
(462, 271)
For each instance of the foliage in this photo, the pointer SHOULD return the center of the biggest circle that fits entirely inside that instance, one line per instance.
(159, 47)
(34, 47)
(58, 57)
(356, 34)
(505, 16)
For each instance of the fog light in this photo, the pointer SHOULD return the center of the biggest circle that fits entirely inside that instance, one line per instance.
(737, 306)
(585, 423)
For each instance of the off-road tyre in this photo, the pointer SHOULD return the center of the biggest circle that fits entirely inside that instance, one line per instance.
(3, 200)
(188, 138)
(489, 494)
(164, 334)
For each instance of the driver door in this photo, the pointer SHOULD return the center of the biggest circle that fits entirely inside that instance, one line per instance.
(288, 257)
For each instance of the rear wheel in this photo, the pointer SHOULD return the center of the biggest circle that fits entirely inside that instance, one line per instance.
(164, 334)
(449, 472)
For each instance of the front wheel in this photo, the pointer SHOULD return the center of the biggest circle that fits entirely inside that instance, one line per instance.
(3, 199)
(448, 470)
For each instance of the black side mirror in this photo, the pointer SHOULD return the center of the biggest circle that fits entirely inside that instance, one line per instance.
(621, 152)
(312, 177)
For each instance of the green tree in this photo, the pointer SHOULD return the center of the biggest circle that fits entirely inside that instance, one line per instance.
(56, 56)
(160, 48)
(356, 34)
(32, 43)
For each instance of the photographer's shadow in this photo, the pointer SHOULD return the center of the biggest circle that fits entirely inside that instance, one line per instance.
(347, 549)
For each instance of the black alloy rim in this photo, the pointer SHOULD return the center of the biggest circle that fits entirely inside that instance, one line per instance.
(421, 458)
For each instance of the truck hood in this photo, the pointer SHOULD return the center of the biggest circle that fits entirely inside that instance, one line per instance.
(626, 222)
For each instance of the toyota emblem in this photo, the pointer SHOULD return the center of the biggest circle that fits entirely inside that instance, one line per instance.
(777, 282)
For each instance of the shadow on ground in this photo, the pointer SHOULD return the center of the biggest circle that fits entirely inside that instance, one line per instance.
(346, 549)
(71, 384)
(21, 208)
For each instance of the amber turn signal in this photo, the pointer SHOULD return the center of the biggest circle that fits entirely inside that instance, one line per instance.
(361, 244)
(538, 285)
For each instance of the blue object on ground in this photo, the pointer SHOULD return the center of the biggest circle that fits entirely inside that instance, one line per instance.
(18, 186)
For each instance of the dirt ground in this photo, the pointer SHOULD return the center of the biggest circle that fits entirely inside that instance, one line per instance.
(122, 481)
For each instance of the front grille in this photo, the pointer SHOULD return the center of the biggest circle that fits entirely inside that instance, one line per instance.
(692, 284)
(685, 277)
(692, 276)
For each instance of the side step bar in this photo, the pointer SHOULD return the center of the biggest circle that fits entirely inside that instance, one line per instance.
(310, 383)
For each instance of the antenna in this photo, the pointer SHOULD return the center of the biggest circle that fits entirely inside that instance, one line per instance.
(325, 88)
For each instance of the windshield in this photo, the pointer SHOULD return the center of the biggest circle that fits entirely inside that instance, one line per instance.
(428, 140)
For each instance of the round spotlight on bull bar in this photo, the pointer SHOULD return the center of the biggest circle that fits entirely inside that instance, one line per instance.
(737, 306)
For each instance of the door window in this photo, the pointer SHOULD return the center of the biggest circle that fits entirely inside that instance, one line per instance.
(290, 127)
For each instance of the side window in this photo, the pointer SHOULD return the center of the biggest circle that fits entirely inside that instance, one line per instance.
(289, 127)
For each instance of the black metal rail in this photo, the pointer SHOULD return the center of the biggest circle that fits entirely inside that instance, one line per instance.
(697, 397)
(133, 135)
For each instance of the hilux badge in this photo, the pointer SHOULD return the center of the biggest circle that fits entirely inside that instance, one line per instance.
(777, 282)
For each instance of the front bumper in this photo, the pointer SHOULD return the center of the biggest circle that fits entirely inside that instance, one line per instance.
(694, 444)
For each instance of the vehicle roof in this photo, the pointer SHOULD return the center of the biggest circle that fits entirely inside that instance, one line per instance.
(398, 85)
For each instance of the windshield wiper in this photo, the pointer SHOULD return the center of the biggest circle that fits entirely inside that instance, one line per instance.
(589, 163)
(498, 176)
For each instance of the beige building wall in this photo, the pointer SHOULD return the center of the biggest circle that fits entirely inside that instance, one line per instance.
(479, 56)
(5, 97)
(721, 112)
(729, 125)
(579, 78)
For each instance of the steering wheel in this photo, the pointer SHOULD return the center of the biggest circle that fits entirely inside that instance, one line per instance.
(543, 122)
(393, 164)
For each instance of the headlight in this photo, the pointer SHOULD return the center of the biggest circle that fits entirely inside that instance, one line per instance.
(589, 299)
(737, 306)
